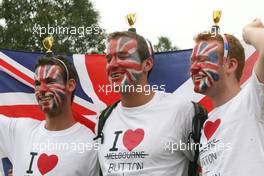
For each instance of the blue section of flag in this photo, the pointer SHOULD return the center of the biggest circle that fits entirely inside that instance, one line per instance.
(170, 69)
(27, 59)
(13, 85)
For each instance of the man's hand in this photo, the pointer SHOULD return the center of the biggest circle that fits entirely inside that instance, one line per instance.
(252, 31)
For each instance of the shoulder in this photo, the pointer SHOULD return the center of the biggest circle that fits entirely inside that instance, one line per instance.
(175, 102)
(84, 130)
(253, 83)
(27, 122)
(19, 122)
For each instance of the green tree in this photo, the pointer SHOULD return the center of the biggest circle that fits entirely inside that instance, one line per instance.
(164, 44)
(73, 24)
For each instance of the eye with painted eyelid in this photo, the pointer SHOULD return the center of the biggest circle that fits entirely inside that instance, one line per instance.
(37, 83)
(108, 57)
(202, 58)
(123, 55)
(50, 81)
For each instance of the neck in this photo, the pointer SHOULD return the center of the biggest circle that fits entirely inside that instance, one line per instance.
(60, 121)
(133, 99)
(225, 94)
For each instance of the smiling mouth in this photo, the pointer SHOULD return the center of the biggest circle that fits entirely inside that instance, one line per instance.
(117, 75)
(45, 98)
(198, 77)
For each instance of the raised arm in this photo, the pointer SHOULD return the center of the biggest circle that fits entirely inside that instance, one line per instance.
(253, 34)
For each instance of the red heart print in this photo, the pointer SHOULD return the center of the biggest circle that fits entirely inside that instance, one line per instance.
(132, 138)
(211, 127)
(46, 163)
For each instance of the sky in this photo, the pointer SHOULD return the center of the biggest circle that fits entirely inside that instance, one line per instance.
(178, 20)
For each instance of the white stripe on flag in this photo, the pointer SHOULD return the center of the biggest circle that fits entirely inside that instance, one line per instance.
(86, 84)
(9, 99)
(19, 67)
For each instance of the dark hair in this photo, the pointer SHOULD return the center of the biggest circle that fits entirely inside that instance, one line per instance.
(235, 49)
(144, 47)
(57, 60)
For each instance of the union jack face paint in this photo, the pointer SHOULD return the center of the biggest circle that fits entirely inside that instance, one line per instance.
(123, 61)
(205, 66)
(49, 87)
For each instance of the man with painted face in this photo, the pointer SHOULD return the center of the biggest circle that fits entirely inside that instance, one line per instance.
(232, 137)
(59, 145)
(147, 132)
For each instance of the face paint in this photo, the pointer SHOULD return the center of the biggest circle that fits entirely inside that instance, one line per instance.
(204, 68)
(49, 88)
(123, 61)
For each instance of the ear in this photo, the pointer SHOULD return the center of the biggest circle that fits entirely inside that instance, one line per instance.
(71, 85)
(231, 65)
(147, 64)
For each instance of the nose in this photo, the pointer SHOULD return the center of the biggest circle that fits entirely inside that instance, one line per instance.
(42, 88)
(112, 64)
(195, 68)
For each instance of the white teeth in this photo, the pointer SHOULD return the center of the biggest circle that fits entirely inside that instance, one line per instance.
(199, 77)
(115, 75)
(46, 98)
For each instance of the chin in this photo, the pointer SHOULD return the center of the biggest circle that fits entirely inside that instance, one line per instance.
(51, 111)
(200, 91)
(45, 110)
(54, 112)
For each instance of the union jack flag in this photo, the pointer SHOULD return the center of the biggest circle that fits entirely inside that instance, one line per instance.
(17, 98)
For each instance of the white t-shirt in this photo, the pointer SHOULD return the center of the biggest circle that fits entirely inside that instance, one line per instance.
(233, 136)
(35, 151)
(145, 140)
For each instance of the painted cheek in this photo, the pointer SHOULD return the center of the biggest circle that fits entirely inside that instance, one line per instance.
(59, 97)
(212, 70)
(210, 75)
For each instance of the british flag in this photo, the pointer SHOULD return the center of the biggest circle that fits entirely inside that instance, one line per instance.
(17, 98)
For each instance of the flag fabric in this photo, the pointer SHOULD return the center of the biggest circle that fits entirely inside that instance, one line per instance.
(171, 69)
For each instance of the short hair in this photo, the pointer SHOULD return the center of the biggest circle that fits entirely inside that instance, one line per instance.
(66, 67)
(235, 49)
(144, 47)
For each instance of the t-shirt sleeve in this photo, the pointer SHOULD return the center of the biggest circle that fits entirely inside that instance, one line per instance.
(255, 96)
(6, 135)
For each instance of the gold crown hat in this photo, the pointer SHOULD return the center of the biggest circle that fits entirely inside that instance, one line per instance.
(131, 20)
(47, 44)
(216, 18)
(216, 30)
